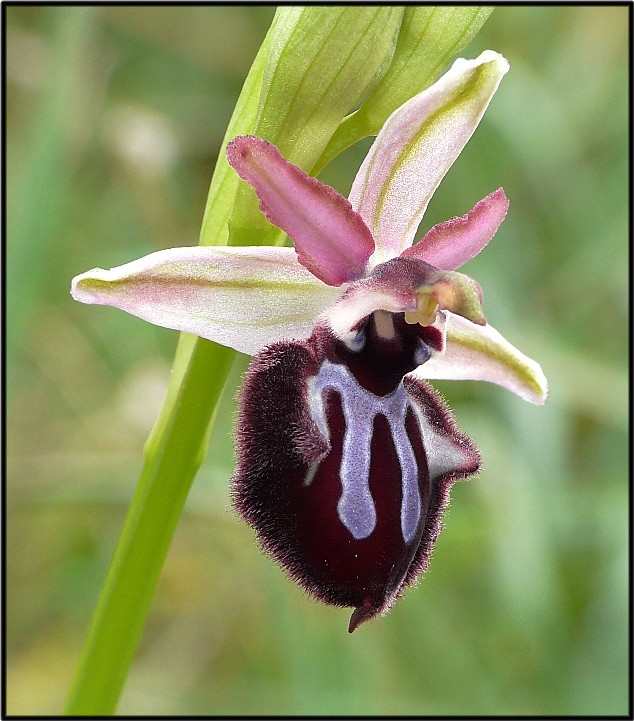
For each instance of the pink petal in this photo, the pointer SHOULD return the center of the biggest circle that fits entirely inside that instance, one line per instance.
(480, 353)
(450, 244)
(244, 298)
(331, 240)
(416, 147)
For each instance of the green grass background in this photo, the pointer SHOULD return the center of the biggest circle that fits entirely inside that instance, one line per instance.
(114, 119)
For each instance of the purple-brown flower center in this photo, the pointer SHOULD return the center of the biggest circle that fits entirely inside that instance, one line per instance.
(344, 462)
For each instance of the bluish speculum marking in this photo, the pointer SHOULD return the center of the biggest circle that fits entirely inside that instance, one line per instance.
(356, 507)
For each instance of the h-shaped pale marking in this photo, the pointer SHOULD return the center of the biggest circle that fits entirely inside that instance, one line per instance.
(356, 507)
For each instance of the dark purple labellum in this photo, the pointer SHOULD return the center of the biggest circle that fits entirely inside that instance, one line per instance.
(345, 462)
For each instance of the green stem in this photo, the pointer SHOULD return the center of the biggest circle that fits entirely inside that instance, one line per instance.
(173, 453)
(170, 467)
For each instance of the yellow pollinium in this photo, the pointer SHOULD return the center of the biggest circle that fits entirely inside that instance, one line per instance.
(454, 292)
(426, 310)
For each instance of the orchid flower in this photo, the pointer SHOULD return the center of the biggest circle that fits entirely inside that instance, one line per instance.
(345, 454)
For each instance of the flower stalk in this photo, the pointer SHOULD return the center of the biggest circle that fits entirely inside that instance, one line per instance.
(169, 469)
(173, 454)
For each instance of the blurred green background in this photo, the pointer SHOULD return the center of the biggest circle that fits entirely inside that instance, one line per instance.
(114, 119)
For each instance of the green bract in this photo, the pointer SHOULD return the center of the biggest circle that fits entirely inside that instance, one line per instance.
(429, 38)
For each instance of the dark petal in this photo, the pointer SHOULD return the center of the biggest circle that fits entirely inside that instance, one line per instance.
(345, 486)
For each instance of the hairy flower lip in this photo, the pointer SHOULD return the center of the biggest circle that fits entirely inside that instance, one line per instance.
(314, 451)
